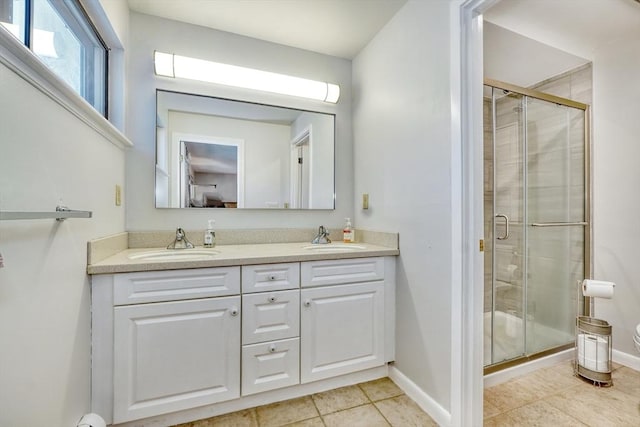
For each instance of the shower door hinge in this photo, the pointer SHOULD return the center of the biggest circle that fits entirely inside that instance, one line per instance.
(481, 245)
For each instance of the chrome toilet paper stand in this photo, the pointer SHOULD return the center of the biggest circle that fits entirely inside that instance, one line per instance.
(590, 330)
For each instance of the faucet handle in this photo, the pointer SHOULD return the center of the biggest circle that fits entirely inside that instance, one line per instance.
(181, 238)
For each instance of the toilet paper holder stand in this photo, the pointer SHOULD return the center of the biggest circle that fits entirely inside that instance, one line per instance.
(593, 349)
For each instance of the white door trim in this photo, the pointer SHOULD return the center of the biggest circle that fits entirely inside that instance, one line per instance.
(467, 209)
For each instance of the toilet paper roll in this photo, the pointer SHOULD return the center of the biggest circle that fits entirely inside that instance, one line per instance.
(91, 420)
(593, 352)
(597, 288)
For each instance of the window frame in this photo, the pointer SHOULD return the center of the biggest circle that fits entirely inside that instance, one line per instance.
(15, 56)
(74, 15)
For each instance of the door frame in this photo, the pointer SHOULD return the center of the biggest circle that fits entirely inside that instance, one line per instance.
(467, 291)
(303, 137)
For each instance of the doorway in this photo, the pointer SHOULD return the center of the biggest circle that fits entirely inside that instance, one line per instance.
(301, 170)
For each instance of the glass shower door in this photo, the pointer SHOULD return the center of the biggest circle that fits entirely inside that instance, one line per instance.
(536, 221)
(555, 210)
(508, 238)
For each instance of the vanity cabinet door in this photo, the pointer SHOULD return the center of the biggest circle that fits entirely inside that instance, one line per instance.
(341, 330)
(176, 355)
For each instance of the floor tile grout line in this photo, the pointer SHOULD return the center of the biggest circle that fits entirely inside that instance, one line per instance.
(380, 412)
(317, 409)
(541, 398)
(535, 400)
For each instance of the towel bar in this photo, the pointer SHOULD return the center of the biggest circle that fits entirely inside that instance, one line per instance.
(61, 213)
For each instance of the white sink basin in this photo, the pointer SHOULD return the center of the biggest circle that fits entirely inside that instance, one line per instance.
(175, 255)
(334, 247)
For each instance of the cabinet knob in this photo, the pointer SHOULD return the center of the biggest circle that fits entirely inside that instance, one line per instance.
(307, 303)
(272, 348)
(272, 298)
(234, 311)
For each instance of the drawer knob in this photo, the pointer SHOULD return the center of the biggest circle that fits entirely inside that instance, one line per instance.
(234, 311)
(272, 298)
(307, 303)
(272, 348)
(272, 277)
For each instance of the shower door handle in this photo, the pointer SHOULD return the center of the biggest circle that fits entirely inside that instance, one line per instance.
(506, 227)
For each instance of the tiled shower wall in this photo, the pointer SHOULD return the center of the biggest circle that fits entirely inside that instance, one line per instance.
(543, 169)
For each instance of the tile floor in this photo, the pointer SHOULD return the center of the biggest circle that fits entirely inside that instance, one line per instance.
(555, 397)
(378, 403)
(548, 397)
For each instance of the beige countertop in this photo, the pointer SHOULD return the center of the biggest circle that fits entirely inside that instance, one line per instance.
(246, 254)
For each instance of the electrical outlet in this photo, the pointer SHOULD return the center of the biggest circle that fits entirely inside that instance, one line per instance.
(365, 201)
(118, 195)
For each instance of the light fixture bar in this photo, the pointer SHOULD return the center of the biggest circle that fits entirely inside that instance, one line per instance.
(170, 65)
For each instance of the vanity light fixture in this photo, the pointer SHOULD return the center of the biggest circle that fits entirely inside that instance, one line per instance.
(170, 65)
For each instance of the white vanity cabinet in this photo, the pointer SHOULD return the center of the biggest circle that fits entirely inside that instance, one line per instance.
(270, 327)
(224, 338)
(343, 316)
(157, 356)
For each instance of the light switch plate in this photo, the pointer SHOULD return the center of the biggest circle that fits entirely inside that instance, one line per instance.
(365, 201)
(118, 195)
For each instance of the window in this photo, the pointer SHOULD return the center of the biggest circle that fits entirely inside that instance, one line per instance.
(61, 35)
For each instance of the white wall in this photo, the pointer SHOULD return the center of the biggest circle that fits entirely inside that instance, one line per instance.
(402, 154)
(150, 33)
(513, 58)
(616, 202)
(46, 154)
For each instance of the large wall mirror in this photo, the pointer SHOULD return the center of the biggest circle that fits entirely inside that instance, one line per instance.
(221, 153)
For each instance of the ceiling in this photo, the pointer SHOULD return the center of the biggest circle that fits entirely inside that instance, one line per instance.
(580, 27)
(333, 27)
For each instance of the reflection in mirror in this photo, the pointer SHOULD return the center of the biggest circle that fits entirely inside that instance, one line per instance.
(220, 153)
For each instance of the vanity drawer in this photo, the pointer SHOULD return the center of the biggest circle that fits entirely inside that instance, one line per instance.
(270, 365)
(173, 285)
(270, 277)
(340, 271)
(269, 316)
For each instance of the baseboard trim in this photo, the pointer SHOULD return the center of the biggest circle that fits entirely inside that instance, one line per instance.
(629, 360)
(430, 406)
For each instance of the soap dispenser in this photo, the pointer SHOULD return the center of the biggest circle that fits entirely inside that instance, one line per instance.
(210, 235)
(348, 233)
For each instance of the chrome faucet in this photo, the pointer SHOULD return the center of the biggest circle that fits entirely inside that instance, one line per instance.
(322, 237)
(181, 241)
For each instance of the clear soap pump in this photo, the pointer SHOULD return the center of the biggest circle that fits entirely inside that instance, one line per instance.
(210, 235)
(348, 233)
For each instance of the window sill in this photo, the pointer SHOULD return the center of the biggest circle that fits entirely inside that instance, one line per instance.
(15, 56)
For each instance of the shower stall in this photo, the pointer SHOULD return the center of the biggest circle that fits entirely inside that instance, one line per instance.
(536, 189)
